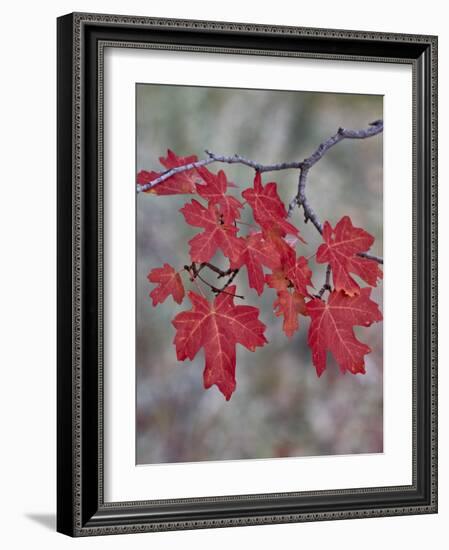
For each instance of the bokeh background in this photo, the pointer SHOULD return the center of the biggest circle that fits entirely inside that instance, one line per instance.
(280, 407)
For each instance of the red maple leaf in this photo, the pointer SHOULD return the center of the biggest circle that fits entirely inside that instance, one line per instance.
(257, 252)
(331, 329)
(217, 327)
(145, 176)
(293, 272)
(169, 283)
(214, 191)
(290, 305)
(181, 183)
(277, 280)
(299, 273)
(282, 244)
(268, 209)
(296, 270)
(216, 234)
(340, 249)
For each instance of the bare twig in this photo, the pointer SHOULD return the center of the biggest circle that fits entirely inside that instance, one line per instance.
(327, 283)
(169, 173)
(216, 269)
(238, 159)
(231, 278)
(194, 273)
(371, 257)
(300, 199)
(234, 159)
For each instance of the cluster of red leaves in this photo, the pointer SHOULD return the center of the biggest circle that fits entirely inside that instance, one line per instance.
(218, 326)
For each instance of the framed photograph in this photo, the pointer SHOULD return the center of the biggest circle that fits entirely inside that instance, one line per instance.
(247, 278)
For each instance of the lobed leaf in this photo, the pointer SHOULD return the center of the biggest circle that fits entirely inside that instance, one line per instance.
(217, 327)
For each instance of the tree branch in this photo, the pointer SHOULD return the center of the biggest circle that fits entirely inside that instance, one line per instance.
(212, 157)
(238, 159)
(216, 269)
(300, 199)
(231, 278)
(169, 173)
(370, 257)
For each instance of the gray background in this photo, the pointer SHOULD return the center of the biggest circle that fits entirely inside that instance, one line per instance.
(280, 406)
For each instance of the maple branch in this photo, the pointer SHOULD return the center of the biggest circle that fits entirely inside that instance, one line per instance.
(370, 257)
(375, 128)
(171, 172)
(239, 159)
(300, 199)
(212, 157)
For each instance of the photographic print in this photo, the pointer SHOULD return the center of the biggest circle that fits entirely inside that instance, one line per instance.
(227, 204)
(258, 274)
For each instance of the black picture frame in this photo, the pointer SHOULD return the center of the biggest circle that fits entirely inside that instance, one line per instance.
(81, 510)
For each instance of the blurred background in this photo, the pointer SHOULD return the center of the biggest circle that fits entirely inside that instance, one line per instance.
(280, 407)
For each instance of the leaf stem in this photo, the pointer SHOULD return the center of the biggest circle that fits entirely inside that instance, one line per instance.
(327, 285)
(194, 272)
